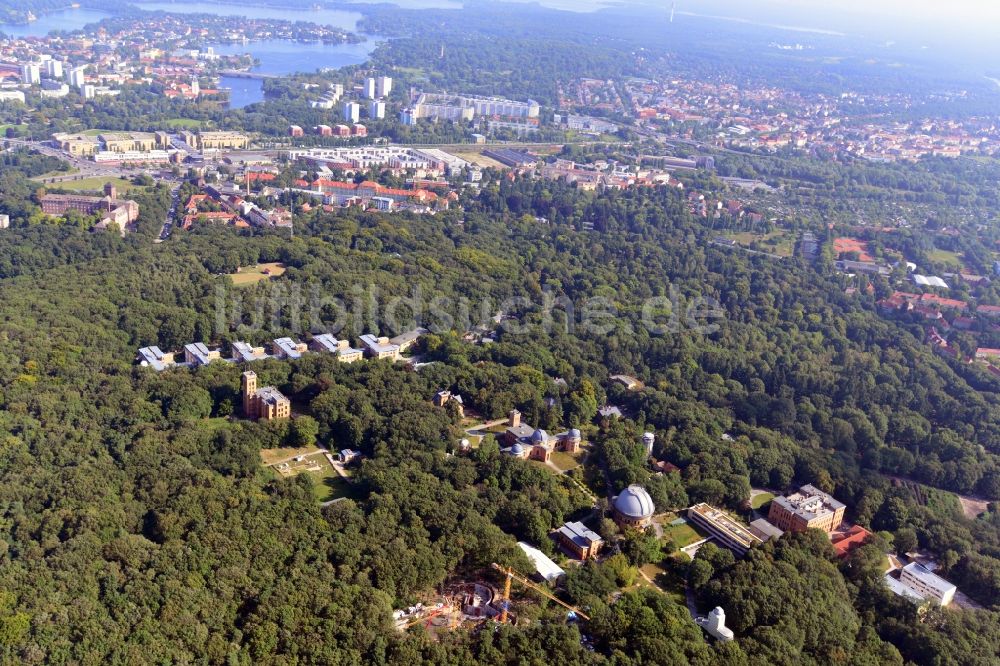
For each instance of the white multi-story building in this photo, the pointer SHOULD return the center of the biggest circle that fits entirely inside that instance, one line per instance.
(78, 77)
(463, 107)
(352, 112)
(11, 96)
(53, 69)
(370, 88)
(31, 73)
(383, 86)
(927, 584)
(376, 109)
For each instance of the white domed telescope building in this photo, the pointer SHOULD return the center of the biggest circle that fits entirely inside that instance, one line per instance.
(633, 508)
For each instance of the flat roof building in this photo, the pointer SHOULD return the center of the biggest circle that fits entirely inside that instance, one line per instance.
(927, 584)
(326, 343)
(379, 347)
(808, 508)
(286, 348)
(723, 528)
(245, 352)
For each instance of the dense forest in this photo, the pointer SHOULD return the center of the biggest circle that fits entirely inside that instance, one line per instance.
(139, 524)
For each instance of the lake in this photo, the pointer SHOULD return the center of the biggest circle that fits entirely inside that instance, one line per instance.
(67, 19)
(279, 56)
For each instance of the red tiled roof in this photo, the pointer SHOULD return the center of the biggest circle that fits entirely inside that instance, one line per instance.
(845, 542)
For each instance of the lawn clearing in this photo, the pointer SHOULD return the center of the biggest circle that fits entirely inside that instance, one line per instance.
(328, 485)
(760, 500)
(682, 535)
(665, 581)
(95, 184)
(254, 274)
(566, 461)
(946, 257)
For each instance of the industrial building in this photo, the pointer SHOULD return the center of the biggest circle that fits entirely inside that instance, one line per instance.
(724, 529)
(808, 508)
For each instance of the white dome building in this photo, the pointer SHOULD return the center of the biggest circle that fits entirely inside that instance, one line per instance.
(633, 507)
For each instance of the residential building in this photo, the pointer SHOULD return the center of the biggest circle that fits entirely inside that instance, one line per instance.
(369, 88)
(379, 347)
(376, 109)
(633, 508)
(245, 352)
(927, 584)
(53, 68)
(580, 540)
(197, 354)
(286, 348)
(546, 569)
(724, 529)
(325, 342)
(4, 221)
(11, 96)
(383, 86)
(808, 508)
(77, 77)
(31, 74)
(266, 403)
(295, 130)
(352, 112)
(153, 357)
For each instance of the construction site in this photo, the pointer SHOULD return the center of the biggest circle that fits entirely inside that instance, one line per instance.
(472, 604)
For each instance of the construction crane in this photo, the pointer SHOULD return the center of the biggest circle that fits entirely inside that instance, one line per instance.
(510, 575)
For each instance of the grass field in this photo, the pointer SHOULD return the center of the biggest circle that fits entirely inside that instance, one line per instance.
(566, 461)
(776, 242)
(328, 485)
(253, 274)
(666, 581)
(946, 257)
(682, 535)
(760, 500)
(96, 184)
(272, 456)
